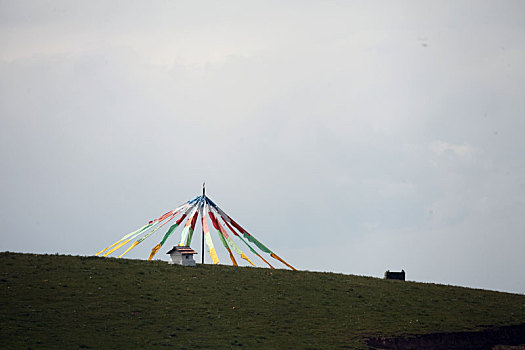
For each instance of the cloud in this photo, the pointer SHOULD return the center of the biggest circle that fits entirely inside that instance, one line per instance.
(441, 148)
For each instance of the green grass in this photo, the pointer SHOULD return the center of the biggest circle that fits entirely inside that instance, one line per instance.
(55, 301)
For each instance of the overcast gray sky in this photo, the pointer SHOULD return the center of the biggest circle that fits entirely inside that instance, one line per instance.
(348, 136)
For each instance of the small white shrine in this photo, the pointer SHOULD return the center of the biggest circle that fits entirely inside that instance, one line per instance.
(182, 255)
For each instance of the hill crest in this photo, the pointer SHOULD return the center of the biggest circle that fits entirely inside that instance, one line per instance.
(64, 301)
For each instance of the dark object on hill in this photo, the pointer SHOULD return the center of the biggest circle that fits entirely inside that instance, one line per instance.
(392, 275)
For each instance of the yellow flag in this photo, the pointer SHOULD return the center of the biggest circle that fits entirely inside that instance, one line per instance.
(154, 251)
(103, 250)
(246, 258)
(127, 250)
(214, 256)
(234, 262)
(117, 247)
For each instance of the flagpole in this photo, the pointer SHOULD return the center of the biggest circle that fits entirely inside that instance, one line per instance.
(203, 213)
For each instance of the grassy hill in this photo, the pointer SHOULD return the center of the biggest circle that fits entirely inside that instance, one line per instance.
(54, 301)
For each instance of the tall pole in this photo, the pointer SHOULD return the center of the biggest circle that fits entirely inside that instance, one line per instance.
(203, 218)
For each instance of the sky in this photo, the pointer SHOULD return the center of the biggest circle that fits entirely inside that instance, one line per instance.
(348, 136)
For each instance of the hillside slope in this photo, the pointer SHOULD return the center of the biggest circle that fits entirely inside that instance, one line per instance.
(53, 301)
